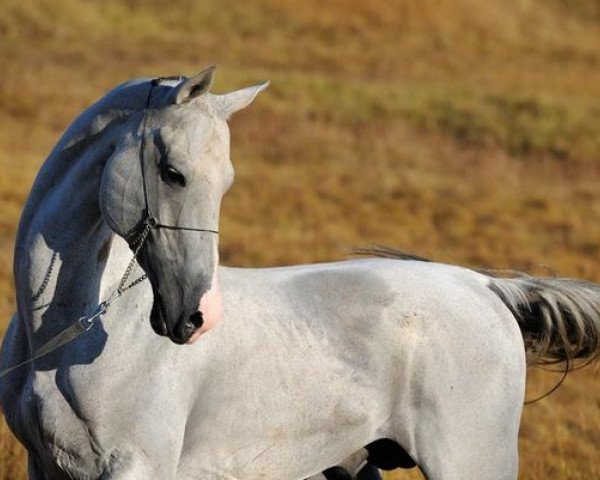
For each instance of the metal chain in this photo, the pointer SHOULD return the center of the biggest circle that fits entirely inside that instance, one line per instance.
(46, 279)
(140, 242)
(85, 323)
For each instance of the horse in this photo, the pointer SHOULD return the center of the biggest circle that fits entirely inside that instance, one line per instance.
(273, 373)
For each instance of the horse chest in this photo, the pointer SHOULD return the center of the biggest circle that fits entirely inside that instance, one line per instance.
(54, 430)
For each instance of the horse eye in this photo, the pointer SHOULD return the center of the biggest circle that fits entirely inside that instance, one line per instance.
(173, 176)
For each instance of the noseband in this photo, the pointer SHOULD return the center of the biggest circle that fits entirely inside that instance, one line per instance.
(137, 235)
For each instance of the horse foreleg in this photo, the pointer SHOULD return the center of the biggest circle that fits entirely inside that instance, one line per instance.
(472, 442)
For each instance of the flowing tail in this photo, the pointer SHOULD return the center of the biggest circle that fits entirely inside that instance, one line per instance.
(559, 318)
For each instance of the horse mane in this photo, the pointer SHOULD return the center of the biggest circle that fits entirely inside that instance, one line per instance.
(121, 101)
(382, 251)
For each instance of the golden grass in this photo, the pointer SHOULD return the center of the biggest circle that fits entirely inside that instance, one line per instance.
(466, 131)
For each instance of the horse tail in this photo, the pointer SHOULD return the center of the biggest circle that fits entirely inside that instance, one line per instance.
(559, 318)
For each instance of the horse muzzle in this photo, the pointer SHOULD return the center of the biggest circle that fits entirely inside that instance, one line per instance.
(181, 330)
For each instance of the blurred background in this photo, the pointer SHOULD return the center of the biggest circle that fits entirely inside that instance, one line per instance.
(462, 130)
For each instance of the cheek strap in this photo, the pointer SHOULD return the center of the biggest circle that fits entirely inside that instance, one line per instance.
(148, 218)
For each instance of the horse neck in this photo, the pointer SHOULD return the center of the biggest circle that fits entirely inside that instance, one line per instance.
(63, 243)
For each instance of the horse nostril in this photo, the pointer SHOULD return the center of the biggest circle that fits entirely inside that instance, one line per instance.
(196, 319)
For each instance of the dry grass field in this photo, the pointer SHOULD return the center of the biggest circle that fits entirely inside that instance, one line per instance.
(467, 131)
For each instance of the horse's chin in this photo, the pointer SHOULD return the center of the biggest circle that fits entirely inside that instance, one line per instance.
(208, 314)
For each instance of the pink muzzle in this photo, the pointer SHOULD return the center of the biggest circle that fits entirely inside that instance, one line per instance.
(211, 306)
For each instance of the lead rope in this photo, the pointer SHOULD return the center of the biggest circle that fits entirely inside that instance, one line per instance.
(86, 322)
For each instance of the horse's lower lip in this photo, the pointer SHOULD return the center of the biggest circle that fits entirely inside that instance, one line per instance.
(161, 329)
(188, 339)
(157, 322)
(179, 341)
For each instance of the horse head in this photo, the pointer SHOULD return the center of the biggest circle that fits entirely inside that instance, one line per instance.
(162, 186)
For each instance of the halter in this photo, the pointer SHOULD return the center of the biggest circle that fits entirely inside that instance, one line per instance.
(149, 219)
(136, 238)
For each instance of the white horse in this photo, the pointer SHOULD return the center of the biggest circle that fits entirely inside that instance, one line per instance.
(420, 362)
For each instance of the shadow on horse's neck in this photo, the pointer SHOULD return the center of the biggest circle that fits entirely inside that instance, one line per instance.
(63, 244)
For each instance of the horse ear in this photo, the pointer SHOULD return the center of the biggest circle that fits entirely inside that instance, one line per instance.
(195, 86)
(231, 102)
